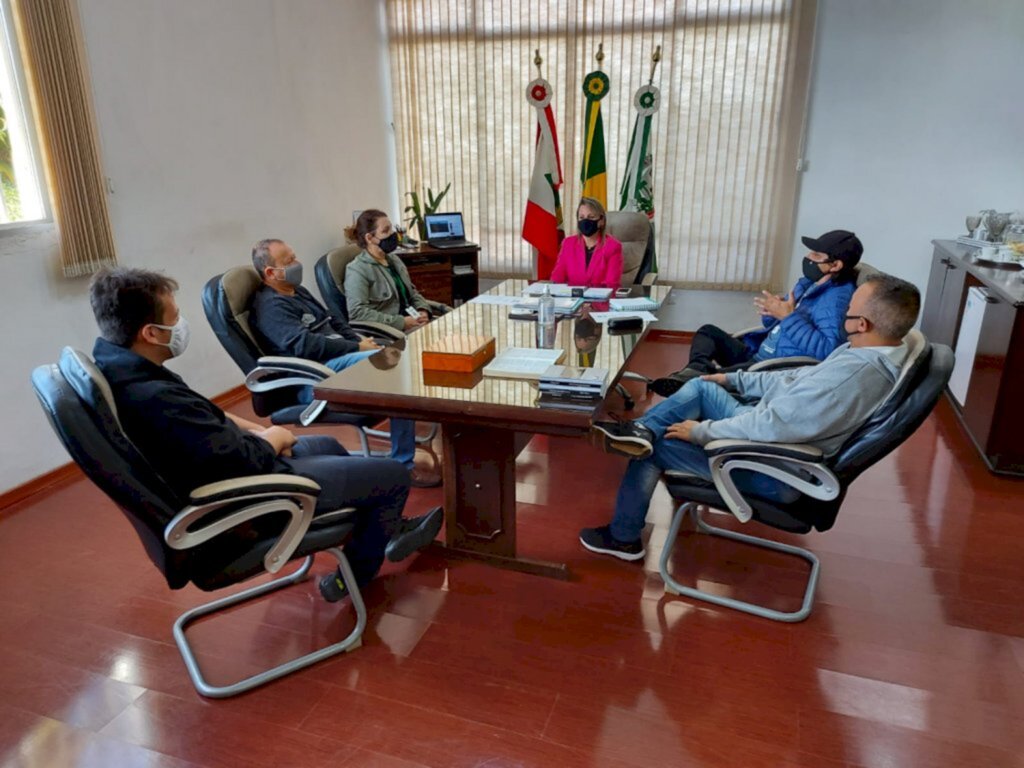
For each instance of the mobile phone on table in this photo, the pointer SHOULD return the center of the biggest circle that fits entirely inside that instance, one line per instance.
(621, 293)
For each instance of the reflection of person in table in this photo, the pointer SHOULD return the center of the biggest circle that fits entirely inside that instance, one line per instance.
(377, 284)
(586, 335)
(591, 258)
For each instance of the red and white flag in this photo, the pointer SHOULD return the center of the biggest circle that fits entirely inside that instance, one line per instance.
(542, 223)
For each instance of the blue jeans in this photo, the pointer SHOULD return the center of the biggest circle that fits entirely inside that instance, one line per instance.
(403, 431)
(698, 400)
(377, 488)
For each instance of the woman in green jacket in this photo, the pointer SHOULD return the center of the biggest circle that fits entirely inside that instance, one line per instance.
(377, 284)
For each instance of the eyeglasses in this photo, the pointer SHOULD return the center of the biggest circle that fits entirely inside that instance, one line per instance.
(856, 317)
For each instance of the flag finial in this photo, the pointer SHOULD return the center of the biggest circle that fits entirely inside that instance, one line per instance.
(537, 60)
(600, 54)
(655, 58)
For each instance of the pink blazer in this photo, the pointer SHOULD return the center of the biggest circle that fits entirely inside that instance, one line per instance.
(605, 270)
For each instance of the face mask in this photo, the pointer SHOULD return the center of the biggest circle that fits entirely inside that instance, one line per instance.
(847, 319)
(389, 243)
(587, 227)
(180, 334)
(292, 273)
(811, 270)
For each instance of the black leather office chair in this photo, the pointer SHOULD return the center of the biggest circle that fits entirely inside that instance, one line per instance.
(196, 540)
(330, 279)
(275, 381)
(820, 483)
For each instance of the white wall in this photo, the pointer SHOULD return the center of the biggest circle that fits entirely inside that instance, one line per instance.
(916, 120)
(220, 123)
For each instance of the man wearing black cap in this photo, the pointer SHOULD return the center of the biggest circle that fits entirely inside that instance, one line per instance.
(807, 322)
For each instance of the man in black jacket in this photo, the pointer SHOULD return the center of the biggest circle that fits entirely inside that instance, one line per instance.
(189, 441)
(289, 321)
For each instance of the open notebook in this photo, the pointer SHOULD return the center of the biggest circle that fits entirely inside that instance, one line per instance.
(523, 362)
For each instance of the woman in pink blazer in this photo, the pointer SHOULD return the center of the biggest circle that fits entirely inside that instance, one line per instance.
(591, 258)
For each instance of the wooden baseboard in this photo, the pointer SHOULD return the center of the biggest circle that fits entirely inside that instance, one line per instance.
(66, 473)
(674, 337)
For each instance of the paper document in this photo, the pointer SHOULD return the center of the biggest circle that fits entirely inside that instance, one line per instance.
(631, 304)
(505, 301)
(604, 317)
(555, 289)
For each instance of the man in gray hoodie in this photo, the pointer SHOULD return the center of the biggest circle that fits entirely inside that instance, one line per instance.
(820, 405)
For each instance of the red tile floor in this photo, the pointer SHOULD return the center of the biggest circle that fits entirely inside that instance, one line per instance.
(913, 656)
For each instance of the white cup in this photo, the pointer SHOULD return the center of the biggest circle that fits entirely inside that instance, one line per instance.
(989, 252)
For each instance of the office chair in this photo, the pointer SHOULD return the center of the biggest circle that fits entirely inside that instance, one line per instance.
(633, 230)
(819, 482)
(274, 382)
(198, 542)
(330, 279)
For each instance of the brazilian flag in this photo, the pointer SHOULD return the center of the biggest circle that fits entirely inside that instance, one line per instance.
(594, 175)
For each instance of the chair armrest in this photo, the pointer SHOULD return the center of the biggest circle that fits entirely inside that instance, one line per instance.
(782, 363)
(247, 498)
(273, 373)
(241, 487)
(745, 331)
(376, 330)
(783, 450)
(297, 364)
(788, 463)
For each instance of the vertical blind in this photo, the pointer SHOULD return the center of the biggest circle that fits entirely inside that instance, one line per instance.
(733, 80)
(54, 57)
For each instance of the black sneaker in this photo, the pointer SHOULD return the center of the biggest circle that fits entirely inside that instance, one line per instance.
(332, 588)
(413, 534)
(600, 540)
(626, 438)
(669, 385)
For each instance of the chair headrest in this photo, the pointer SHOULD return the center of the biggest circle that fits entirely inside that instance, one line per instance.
(338, 261)
(865, 271)
(90, 385)
(239, 284)
(628, 226)
(922, 380)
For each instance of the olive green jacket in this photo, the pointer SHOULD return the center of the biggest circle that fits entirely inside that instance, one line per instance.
(371, 293)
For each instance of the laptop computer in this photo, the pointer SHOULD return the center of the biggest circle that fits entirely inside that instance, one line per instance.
(445, 230)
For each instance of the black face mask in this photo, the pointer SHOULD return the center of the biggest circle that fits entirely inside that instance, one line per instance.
(587, 227)
(389, 243)
(811, 270)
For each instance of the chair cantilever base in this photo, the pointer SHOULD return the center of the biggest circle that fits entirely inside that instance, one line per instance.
(349, 643)
(674, 587)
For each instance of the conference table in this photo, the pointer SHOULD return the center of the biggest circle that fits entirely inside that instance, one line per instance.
(485, 421)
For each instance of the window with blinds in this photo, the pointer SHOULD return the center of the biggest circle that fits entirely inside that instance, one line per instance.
(733, 81)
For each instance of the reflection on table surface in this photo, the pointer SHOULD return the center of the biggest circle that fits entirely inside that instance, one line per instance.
(398, 374)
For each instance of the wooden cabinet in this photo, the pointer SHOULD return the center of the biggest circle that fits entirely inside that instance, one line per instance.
(992, 412)
(450, 276)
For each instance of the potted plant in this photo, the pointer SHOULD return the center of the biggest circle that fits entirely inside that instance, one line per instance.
(418, 213)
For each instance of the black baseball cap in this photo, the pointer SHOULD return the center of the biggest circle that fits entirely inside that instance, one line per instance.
(837, 244)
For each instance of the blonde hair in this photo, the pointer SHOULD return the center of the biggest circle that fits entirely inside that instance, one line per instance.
(595, 205)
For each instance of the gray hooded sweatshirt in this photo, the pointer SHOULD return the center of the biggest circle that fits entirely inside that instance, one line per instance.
(819, 405)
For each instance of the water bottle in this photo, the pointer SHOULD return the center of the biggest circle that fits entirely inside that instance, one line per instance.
(546, 320)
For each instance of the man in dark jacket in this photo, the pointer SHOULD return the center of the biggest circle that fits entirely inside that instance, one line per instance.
(289, 321)
(190, 442)
(808, 322)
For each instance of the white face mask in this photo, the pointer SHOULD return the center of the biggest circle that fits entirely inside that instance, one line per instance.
(180, 335)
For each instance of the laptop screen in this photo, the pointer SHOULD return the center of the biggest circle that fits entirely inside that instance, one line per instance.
(444, 226)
